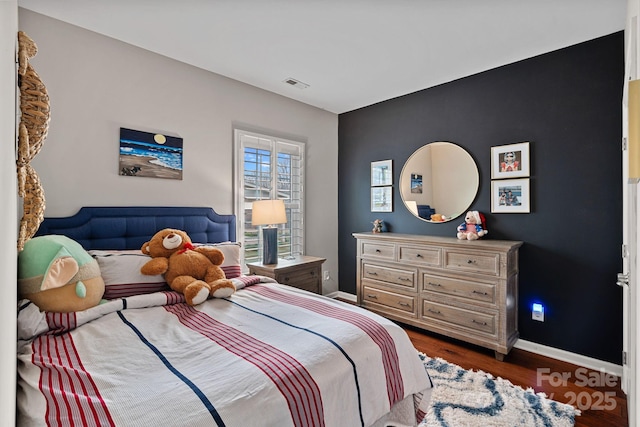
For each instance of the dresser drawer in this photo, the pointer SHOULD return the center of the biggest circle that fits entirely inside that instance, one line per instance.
(423, 255)
(486, 263)
(311, 285)
(378, 250)
(389, 299)
(476, 291)
(302, 275)
(393, 275)
(307, 279)
(480, 322)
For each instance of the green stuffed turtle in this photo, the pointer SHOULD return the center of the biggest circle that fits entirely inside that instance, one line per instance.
(58, 275)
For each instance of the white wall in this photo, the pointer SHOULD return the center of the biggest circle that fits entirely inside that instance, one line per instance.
(8, 210)
(97, 85)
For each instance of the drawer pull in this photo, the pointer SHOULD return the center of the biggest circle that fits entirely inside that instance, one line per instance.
(434, 284)
(406, 279)
(372, 296)
(471, 261)
(378, 251)
(479, 293)
(404, 304)
(313, 273)
(430, 310)
(479, 323)
(419, 256)
(372, 273)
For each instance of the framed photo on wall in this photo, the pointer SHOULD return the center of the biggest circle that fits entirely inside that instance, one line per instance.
(381, 173)
(510, 161)
(510, 196)
(381, 199)
(416, 183)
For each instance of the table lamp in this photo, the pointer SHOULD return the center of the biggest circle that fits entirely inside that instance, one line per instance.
(269, 212)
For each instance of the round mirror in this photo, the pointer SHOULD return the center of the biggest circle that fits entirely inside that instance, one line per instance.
(439, 182)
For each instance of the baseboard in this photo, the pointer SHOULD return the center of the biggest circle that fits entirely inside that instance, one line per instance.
(543, 350)
(567, 356)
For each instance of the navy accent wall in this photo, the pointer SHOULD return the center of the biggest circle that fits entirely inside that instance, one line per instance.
(567, 104)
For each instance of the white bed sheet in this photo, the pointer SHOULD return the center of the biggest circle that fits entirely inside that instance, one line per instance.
(269, 355)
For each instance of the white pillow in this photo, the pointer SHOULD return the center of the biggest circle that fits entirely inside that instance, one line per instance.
(231, 251)
(120, 271)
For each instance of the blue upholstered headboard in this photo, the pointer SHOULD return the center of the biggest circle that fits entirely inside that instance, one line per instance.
(130, 227)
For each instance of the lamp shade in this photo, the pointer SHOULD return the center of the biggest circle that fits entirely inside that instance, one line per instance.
(268, 212)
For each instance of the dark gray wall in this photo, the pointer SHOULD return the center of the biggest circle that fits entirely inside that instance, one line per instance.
(567, 104)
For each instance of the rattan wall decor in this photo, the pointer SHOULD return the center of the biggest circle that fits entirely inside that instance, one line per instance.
(32, 131)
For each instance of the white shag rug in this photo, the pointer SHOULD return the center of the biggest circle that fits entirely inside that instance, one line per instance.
(474, 398)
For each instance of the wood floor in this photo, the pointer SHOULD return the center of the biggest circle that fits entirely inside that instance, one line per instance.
(599, 396)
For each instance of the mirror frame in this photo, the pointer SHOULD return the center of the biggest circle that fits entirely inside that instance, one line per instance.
(468, 183)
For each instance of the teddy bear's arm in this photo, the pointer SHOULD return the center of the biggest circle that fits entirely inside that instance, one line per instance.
(215, 255)
(155, 266)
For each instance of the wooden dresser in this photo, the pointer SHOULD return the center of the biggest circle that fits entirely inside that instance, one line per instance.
(462, 289)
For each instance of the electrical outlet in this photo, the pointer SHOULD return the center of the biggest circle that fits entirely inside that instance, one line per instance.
(326, 275)
(537, 312)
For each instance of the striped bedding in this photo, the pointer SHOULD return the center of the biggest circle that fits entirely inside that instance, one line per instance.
(269, 355)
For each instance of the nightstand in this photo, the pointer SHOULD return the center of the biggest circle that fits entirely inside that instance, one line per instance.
(304, 272)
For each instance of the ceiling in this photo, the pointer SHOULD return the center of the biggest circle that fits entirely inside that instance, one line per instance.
(351, 53)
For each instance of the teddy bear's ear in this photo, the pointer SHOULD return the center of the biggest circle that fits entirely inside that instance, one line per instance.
(145, 248)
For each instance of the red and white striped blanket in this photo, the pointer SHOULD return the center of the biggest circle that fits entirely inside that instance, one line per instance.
(269, 355)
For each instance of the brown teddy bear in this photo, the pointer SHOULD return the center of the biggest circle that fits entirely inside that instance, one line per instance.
(193, 271)
(438, 217)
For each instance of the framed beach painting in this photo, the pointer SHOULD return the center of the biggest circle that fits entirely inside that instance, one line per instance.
(510, 196)
(510, 161)
(151, 155)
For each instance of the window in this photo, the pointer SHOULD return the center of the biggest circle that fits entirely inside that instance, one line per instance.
(267, 167)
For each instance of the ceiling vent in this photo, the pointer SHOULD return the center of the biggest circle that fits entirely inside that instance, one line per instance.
(296, 83)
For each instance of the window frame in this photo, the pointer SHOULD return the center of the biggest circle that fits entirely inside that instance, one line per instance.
(295, 208)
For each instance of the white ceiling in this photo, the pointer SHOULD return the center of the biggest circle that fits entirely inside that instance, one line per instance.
(351, 53)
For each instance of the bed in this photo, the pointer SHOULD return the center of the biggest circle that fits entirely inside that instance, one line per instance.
(269, 355)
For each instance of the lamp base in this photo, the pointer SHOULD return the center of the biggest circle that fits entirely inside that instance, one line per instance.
(269, 245)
